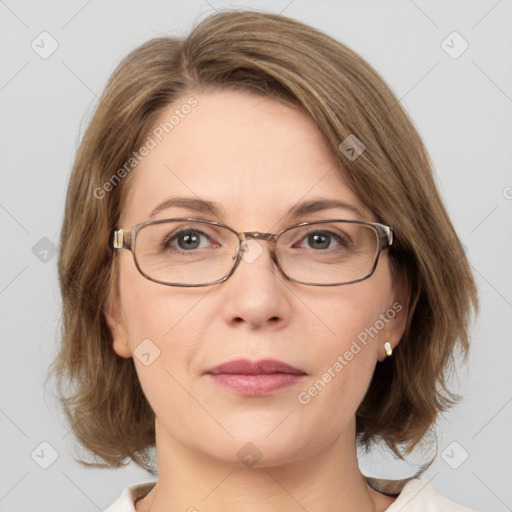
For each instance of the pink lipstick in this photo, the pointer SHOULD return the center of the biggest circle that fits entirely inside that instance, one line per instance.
(255, 378)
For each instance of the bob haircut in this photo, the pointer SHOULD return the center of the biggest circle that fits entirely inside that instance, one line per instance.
(277, 57)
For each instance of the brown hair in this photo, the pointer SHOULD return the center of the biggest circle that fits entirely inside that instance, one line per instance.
(273, 56)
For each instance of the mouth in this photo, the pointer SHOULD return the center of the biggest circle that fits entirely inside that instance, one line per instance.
(255, 378)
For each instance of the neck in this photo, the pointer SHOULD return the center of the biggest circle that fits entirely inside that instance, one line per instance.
(329, 479)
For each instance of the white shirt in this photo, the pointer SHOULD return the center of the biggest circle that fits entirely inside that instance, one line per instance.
(416, 495)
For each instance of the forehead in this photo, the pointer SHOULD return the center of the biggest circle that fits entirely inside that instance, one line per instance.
(254, 156)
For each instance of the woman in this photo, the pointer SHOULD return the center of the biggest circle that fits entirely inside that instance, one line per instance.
(257, 274)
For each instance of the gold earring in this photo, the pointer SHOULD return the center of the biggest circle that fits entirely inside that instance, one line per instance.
(388, 348)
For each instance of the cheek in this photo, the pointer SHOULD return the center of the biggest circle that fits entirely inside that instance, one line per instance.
(343, 370)
(351, 313)
(164, 335)
(158, 323)
(152, 310)
(351, 324)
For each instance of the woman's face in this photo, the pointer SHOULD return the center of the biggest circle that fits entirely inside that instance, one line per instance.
(256, 159)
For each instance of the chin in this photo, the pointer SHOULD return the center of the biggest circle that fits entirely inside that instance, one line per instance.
(256, 450)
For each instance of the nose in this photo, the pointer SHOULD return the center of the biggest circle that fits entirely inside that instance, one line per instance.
(256, 294)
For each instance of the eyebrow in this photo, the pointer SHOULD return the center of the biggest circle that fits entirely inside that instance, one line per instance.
(215, 209)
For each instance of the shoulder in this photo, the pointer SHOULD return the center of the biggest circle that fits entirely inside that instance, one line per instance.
(417, 495)
(125, 502)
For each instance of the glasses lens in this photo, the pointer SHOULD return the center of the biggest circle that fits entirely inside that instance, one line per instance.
(328, 253)
(185, 252)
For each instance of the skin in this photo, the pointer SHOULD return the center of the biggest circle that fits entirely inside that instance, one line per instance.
(257, 158)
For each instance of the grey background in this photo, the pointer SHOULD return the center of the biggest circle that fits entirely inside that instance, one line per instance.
(461, 106)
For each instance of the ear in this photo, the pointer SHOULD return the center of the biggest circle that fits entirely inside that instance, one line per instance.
(396, 327)
(117, 326)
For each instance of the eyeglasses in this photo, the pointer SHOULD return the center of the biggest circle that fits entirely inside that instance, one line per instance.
(197, 252)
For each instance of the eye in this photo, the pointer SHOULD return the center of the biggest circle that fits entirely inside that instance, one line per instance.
(186, 240)
(325, 240)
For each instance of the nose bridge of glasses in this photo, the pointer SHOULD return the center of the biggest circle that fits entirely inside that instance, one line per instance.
(256, 235)
(250, 255)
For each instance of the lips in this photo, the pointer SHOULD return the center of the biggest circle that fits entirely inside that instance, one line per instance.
(255, 378)
(262, 367)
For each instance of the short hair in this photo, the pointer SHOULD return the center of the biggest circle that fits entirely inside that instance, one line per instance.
(276, 57)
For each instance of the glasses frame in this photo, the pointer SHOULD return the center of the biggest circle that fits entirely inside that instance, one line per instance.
(126, 239)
